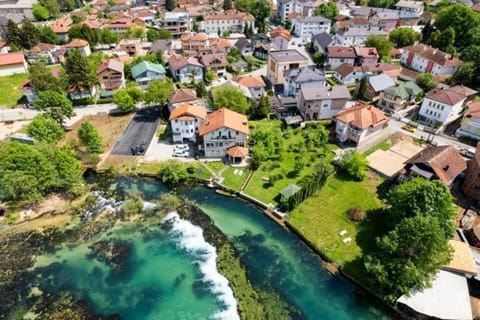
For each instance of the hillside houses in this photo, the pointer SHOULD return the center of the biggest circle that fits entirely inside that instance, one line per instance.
(426, 59)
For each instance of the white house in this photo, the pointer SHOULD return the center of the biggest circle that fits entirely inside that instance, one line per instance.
(145, 71)
(306, 27)
(426, 59)
(470, 125)
(340, 55)
(322, 103)
(185, 69)
(185, 122)
(304, 77)
(346, 73)
(441, 106)
(255, 85)
(230, 20)
(11, 63)
(357, 36)
(416, 7)
(286, 7)
(222, 130)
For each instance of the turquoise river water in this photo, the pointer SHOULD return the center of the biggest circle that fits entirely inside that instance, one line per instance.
(171, 274)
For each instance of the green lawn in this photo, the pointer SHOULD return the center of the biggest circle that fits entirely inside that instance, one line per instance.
(11, 93)
(215, 166)
(320, 218)
(233, 180)
(383, 145)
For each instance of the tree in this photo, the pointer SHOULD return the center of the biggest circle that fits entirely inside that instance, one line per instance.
(54, 104)
(408, 257)
(262, 110)
(227, 5)
(154, 34)
(201, 90)
(420, 197)
(472, 54)
(158, 91)
(40, 13)
(123, 100)
(355, 165)
(52, 6)
(327, 10)
(83, 31)
(461, 19)
(90, 138)
(13, 34)
(244, 5)
(79, 72)
(170, 4)
(42, 78)
(30, 36)
(44, 128)
(318, 58)
(444, 40)
(465, 75)
(172, 172)
(425, 81)
(136, 93)
(231, 98)
(209, 76)
(402, 37)
(107, 36)
(381, 43)
(261, 10)
(48, 36)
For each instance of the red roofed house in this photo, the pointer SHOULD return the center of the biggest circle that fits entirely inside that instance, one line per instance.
(441, 106)
(280, 38)
(215, 61)
(359, 123)
(182, 96)
(224, 130)
(185, 69)
(185, 121)
(339, 55)
(81, 45)
(110, 75)
(471, 184)
(255, 85)
(11, 63)
(120, 26)
(61, 28)
(42, 50)
(426, 59)
(193, 43)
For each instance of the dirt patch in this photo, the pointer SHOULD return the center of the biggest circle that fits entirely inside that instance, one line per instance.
(123, 164)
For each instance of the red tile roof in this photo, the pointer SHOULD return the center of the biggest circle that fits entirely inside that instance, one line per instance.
(237, 152)
(111, 64)
(224, 118)
(229, 15)
(445, 96)
(8, 59)
(473, 110)
(182, 95)
(77, 43)
(250, 81)
(188, 110)
(177, 62)
(280, 32)
(436, 55)
(363, 116)
(341, 52)
(61, 26)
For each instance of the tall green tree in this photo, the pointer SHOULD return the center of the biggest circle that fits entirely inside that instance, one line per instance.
(382, 44)
(55, 104)
(83, 31)
(170, 4)
(30, 36)
(154, 34)
(48, 36)
(444, 40)
(123, 100)
(40, 13)
(231, 98)
(354, 164)
(90, 137)
(262, 110)
(158, 91)
(425, 81)
(42, 78)
(227, 5)
(107, 36)
(466, 75)
(44, 128)
(172, 172)
(462, 19)
(402, 37)
(52, 6)
(13, 34)
(262, 10)
(327, 10)
(79, 72)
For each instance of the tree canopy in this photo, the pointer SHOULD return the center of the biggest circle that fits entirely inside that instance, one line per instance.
(444, 40)
(48, 36)
(42, 78)
(260, 9)
(327, 10)
(382, 44)
(425, 81)
(154, 34)
(39, 12)
(83, 31)
(79, 72)
(55, 104)
(172, 172)
(44, 128)
(123, 100)
(90, 138)
(402, 37)
(231, 98)
(462, 19)
(262, 109)
(158, 91)
(355, 165)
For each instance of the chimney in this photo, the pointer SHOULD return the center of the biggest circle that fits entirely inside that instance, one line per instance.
(330, 88)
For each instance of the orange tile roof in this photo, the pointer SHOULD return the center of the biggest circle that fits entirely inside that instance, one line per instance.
(188, 110)
(280, 32)
(229, 15)
(220, 42)
(473, 110)
(237, 152)
(61, 26)
(7, 59)
(77, 43)
(224, 118)
(250, 81)
(363, 116)
(445, 96)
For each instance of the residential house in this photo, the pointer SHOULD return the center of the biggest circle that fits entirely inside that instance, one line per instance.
(281, 61)
(44, 51)
(347, 73)
(440, 107)
(399, 96)
(255, 84)
(12, 63)
(244, 46)
(376, 85)
(339, 55)
(230, 83)
(306, 27)
(230, 20)
(145, 71)
(162, 45)
(61, 28)
(465, 91)
(359, 123)
(286, 7)
(416, 7)
(426, 59)
(260, 51)
(357, 36)
(192, 43)
(110, 75)
(120, 26)
(131, 46)
(182, 96)
(223, 130)
(366, 55)
(356, 22)
(28, 90)
(322, 103)
(321, 41)
(436, 163)
(79, 92)
(20, 7)
(185, 69)
(219, 45)
(470, 125)
(215, 61)
(389, 69)
(303, 77)
(185, 122)
(280, 38)
(81, 45)
(471, 183)
(385, 20)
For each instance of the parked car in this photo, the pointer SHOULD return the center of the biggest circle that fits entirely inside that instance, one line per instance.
(181, 154)
(181, 147)
(409, 128)
(467, 153)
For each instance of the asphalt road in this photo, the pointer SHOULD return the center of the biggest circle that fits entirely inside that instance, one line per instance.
(140, 129)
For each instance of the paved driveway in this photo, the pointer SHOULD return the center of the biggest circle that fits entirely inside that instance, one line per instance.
(141, 129)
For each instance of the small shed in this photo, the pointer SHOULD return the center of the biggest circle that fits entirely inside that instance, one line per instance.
(289, 191)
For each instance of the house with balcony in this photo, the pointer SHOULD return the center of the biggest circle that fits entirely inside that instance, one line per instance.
(305, 27)
(279, 62)
(304, 77)
(255, 85)
(145, 71)
(184, 69)
(399, 96)
(131, 46)
(470, 125)
(280, 38)
(193, 43)
(323, 103)
(231, 20)
(426, 59)
(215, 61)
(177, 23)
(185, 122)
(44, 51)
(359, 123)
(224, 133)
(110, 75)
(440, 107)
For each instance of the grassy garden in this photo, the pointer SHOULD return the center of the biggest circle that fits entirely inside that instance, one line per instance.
(11, 93)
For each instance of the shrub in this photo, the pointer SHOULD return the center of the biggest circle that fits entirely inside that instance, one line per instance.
(355, 214)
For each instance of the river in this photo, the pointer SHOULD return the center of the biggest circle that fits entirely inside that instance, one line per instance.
(170, 272)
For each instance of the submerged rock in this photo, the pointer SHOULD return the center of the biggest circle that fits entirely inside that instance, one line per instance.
(113, 252)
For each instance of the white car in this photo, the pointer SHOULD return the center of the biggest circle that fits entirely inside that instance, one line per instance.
(181, 154)
(181, 147)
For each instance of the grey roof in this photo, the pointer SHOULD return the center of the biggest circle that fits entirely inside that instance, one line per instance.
(305, 74)
(323, 93)
(162, 44)
(387, 15)
(409, 4)
(287, 55)
(323, 39)
(353, 32)
(242, 43)
(380, 82)
(315, 19)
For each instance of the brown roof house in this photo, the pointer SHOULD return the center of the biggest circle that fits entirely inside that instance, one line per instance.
(81, 45)
(255, 84)
(436, 163)
(376, 85)
(359, 123)
(426, 59)
(185, 122)
(440, 107)
(215, 61)
(471, 184)
(182, 96)
(222, 131)
(320, 103)
(131, 46)
(470, 125)
(42, 50)
(110, 75)
(61, 28)
(185, 69)
(338, 55)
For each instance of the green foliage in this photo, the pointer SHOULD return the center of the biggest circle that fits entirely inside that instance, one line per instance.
(80, 73)
(318, 58)
(30, 172)
(170, 4)
(463, 20)
(381, 43)
(425, 81)
(29, 34)
(260, 9)
(107, 36)
(42, 78)
(444, 40)
(209, 76)
(40, 13)
(381, 3)
(262, 110)
(466, 75)
(132, 206)
(48, 36)
(231, 98)
(55, 104)
(327, 10)
(354, 164)
(154, 34)
(173, 172)
(227, 5)
(13, 34)
(402, 37)
(44, 128)
(201, 90)
(123, 100)
(134, 33)
(52, 7)
(268, 144)
(89, 137)
(83, 31)
(136, 93)
(226, 34)
(158, 91)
